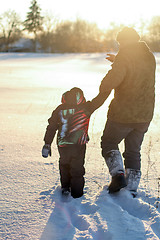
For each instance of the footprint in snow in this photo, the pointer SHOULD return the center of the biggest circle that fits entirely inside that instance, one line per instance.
(79, 222)
(139, 208)
(77, 219)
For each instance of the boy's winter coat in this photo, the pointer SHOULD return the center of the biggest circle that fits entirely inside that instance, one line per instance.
(133, 78)
(71, 118)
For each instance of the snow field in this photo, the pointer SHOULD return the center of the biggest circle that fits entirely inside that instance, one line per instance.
(31, 206)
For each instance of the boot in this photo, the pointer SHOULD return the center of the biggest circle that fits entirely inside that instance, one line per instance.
(115, 166)
(65, 191)
(133, 177)
(118, 182)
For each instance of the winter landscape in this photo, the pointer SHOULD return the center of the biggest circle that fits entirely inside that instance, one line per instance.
(31, 207)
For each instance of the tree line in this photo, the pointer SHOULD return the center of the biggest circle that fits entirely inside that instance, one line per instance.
(67, 36)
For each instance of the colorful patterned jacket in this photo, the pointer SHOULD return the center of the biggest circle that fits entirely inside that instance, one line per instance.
(71, 118)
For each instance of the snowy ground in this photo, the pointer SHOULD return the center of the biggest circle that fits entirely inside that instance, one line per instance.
(31, 207)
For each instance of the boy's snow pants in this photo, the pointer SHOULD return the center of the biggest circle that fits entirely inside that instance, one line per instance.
(71, 166)
(132, 134)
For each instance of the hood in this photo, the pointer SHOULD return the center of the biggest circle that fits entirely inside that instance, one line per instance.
(138, 46)
(74, 96)
(143, 46)
(140, 49)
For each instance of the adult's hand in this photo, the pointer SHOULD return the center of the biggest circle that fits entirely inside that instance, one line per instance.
(110, 57)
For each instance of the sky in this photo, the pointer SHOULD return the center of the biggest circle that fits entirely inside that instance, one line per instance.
(101, 12)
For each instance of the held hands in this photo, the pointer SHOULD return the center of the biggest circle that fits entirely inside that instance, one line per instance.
(46, 150)
(110, 57)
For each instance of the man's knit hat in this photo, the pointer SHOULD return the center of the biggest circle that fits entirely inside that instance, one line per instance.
(127, 34)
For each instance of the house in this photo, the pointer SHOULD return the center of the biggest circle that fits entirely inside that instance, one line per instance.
(23, 45)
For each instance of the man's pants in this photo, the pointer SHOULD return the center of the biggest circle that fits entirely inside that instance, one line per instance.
(71, 166)
(132, 134)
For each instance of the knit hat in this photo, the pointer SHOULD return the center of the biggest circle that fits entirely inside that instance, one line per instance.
(127, 34)
(74, 96)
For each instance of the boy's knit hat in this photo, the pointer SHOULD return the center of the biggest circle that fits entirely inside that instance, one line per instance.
(63, 99)
(74, 96)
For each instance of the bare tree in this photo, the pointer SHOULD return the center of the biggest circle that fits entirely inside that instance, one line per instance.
(154, 26)
(46, 38)
(85, 36)
(50, 22)
(9, 28)
(78, 36)
(63, 37)
(153, 38)
(110, 36)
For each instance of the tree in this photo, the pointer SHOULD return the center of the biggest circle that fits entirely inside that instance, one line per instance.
(9, 28)
(34, 21)
(85, 36)
(154, 34)
(46, 38)
(78, 36)
(110, 42)
(63, 37)
(154, 27)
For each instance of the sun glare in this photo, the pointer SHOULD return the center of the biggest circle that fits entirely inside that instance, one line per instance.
(101, 12)
(118, 11)
(121, 12)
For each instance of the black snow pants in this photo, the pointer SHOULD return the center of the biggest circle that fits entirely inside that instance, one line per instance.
(71, 166)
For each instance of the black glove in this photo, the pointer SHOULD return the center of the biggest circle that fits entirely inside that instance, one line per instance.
(46, 150)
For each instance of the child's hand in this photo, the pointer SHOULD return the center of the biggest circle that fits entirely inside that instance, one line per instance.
(46, 150)
(110, 57)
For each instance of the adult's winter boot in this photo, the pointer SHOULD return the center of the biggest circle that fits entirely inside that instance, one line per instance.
(116, 169)
(133, 177)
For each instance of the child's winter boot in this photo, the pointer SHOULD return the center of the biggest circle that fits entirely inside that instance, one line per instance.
(65, 191)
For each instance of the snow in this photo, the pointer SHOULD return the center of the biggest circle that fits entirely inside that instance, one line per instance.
(31, 206)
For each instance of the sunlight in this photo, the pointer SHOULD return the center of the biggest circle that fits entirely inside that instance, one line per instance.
(101, 12)
(121, 12)
(104, 12)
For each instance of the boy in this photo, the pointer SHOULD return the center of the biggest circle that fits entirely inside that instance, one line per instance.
(71, 119)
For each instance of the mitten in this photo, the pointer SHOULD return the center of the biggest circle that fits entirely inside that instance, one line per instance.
(46, 150)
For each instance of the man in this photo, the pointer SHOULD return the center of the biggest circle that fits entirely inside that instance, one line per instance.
(130, 112)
